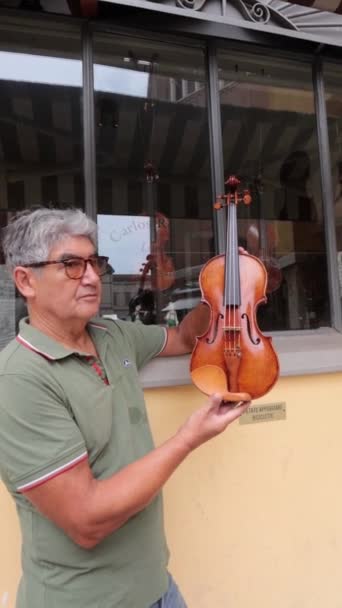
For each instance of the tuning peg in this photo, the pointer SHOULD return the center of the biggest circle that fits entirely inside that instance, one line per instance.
(220, 201)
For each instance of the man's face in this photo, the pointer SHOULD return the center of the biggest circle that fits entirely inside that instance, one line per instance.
(56, 295)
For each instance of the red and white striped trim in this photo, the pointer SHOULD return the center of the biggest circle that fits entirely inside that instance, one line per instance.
(165, 342)
(30, 346)
(40, 480)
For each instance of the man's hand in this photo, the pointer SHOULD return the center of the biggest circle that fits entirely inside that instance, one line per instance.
(210, 420)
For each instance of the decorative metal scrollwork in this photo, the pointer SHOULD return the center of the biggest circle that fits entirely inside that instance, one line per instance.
(260, 12)
(195, 5)
(254, 10)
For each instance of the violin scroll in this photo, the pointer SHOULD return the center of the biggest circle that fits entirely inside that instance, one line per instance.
(233, 196)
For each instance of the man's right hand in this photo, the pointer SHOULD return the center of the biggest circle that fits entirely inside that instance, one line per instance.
(210, 420)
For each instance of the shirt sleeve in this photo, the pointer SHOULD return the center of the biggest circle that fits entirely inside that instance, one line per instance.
(147, 341)
(38, 437)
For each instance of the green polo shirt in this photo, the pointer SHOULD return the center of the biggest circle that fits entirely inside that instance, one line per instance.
(56, 409)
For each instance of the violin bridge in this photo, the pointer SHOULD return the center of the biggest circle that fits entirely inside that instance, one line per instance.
(229, 328)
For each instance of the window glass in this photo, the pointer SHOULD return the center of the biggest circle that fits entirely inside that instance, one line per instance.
(153, 181)
(41, 151)
(333, 81)
(270, 142)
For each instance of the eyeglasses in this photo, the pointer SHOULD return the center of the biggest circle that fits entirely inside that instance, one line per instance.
(76, 267)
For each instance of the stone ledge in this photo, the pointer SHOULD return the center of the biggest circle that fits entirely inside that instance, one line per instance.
(300, 353)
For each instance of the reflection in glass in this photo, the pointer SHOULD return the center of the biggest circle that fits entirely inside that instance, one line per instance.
(154, 201)
(333, 81)
(270, 142)
(41, 150)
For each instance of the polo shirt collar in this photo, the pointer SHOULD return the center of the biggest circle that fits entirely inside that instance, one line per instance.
(35, 340)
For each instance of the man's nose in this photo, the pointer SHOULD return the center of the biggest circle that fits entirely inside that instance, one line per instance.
(90, 276)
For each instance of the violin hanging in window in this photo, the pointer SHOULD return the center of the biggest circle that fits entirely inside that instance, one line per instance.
(158, 263)
(233, 357)
(262, 239)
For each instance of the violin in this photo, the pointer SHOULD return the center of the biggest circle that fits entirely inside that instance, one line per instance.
(158, 262)
(161, 268)
(261, 241)
(233, 357)
(158, 267)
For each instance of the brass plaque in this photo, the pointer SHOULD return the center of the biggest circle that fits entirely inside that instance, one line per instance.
(264, 413)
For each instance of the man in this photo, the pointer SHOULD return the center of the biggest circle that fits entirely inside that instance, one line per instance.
(76, 451)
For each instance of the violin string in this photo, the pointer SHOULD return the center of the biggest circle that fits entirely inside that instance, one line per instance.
(235, 270)
(237, 310)
(227, 285)
(231, 324)
(230, 272)
(232, 299)
(233, 267)
(227, 310)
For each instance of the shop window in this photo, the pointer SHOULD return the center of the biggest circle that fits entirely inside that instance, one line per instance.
(153, 179)
(270, 141)
(41, 133)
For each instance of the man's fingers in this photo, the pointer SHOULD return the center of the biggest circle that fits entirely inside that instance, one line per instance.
(221, 407)
(238, 408)
(242, 404)
(215, 400)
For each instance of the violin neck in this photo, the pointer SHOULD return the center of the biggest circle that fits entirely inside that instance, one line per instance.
(232, 291)
(151, 207)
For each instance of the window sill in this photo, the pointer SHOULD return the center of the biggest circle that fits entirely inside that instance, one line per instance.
(300, 353)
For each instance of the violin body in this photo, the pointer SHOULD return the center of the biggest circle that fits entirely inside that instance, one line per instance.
(233, 357)
(227, 360)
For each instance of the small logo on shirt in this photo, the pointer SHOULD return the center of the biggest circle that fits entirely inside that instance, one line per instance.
(127, 363)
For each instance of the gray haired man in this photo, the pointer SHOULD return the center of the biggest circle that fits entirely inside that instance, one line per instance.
(76, 451)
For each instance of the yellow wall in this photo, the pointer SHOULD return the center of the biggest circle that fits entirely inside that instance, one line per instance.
(254, 517)
(9, 550)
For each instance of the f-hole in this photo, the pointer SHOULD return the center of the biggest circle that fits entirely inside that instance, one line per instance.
(257, 340)
(210, 341)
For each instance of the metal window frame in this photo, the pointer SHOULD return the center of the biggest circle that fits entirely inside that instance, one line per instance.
(327, 191)
(89, 142)
(216, 144)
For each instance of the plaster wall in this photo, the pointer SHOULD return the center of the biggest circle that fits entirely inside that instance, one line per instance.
(253, 518)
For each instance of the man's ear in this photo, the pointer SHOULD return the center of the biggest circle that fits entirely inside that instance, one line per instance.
(25, 281)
